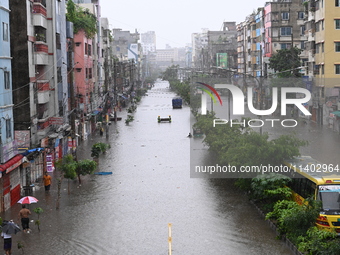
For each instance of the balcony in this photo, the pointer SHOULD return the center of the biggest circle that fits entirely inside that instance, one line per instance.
(40, 47)
(43, 85)
(43, 127)
(43, 97)
(41, 53)
(39, 9)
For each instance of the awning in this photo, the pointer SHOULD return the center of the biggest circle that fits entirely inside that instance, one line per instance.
(32, 150)
(95, 112)
(336, 113)
(11, 164)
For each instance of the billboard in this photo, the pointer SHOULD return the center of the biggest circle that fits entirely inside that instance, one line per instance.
(133, 51)
(222, 60)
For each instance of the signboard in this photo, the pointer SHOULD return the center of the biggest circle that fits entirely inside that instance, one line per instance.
(56, 121)
(9, 150)
(222, 60)
(23, 138)
(12, 167)
(133, 51)
(49, 163)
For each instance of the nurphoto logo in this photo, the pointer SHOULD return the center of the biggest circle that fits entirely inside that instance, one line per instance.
(238, 99)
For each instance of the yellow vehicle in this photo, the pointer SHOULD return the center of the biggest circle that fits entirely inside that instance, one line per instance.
(310, 178)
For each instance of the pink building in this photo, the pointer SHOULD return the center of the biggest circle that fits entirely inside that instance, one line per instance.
(268, 49)
(83, 76)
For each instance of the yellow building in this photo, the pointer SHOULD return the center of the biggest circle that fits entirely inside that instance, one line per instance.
(324, 62)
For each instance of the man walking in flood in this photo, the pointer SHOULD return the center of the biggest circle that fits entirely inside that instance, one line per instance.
(47, 181)
(24, 215)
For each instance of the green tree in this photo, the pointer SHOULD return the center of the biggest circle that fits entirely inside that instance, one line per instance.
(267, 189)
(98, 148)
(85, 167)
(21, 247)
(239, 146)
(317, 241)
(82, 19)
(171, 74)
(67, 167)
(38, 211)
(293, 219)
(286, 62)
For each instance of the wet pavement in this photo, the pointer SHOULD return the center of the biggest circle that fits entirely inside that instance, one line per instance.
(128, 212)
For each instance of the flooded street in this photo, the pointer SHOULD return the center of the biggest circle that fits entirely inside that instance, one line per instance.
(128, 212)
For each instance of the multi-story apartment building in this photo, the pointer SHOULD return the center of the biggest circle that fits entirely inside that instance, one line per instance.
(9, 160)
(322, 23)
(148, 42)
(128, 52)
(40, 91)
(284, 28)
(122, 43)
(39, 76)
(171, 56)
(89, 75)
(222, 47)
(249, 46)
(199, 43)
(8, 148)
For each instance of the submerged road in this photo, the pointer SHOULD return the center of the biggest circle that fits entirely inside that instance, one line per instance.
(128, 212)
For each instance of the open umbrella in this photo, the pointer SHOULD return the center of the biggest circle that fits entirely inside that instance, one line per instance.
(27, 200)
(10, 228)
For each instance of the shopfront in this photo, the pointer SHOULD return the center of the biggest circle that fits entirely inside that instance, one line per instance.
(10, 172)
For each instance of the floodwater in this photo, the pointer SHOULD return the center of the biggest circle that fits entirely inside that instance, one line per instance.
(128, 212)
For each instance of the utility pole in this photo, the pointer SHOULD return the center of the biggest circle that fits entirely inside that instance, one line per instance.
(115, 89)
(72, 97)
(106, 95)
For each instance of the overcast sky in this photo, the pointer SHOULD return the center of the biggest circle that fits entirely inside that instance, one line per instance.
(175, 20)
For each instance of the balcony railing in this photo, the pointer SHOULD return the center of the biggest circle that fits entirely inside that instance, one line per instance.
(39, 9)
(40, 47)
(43, 85)
(42, 2)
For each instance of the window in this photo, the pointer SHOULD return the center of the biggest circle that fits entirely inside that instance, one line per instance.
(285, 46)
(275, 16)
(90, 73)
(267, 48)
(302, 45)
(285, 15)
(286, 31)
(301, 15)
(337, 46)
(6, 80)
(317, 26)
(89, 52)
(58, 43)
(317, 48)
(8, 128)
(5, 31)
(59, 76)
(337, 3)
(322, 47)
(337, 23)
(337, 69)
(302, 30)
(322, 69)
